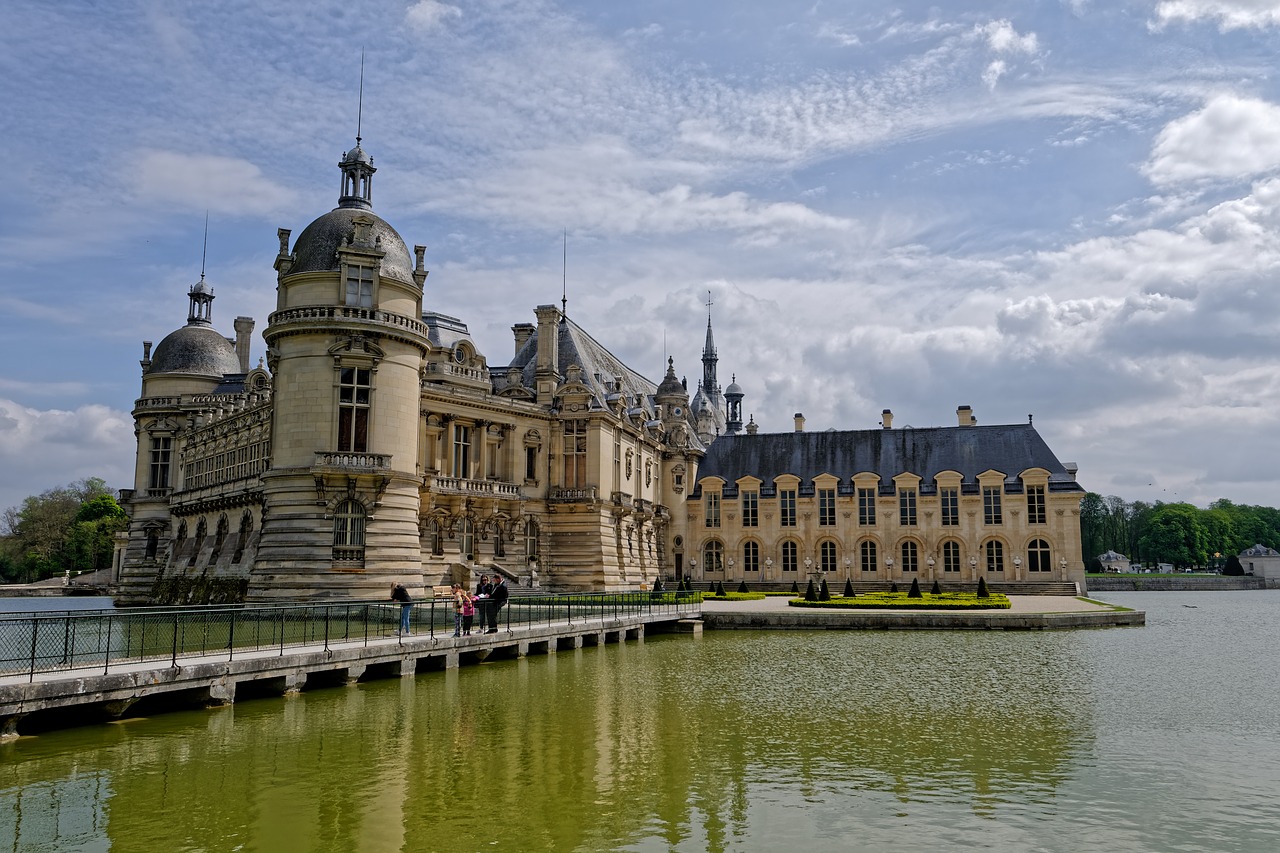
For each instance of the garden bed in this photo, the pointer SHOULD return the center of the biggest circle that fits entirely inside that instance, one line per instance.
(901, 601)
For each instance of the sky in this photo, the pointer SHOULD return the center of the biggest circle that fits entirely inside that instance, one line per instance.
(1061, 208)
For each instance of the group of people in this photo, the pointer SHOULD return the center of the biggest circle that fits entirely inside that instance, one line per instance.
(490, 596)
(488, 599)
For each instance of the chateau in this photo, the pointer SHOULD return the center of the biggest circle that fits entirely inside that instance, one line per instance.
(377, 445)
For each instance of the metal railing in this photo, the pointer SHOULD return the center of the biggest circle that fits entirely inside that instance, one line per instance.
(45, 642)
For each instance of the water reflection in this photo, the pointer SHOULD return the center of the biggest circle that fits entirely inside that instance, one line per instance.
(673, 744)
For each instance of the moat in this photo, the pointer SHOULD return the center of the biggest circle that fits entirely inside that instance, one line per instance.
(1153, 739)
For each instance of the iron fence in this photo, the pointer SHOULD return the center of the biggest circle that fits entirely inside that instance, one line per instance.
(40, 642)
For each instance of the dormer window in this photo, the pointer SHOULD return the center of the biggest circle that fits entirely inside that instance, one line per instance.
(359, 286)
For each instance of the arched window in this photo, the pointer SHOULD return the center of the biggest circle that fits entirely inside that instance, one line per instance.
(219, 539)
(348, 531)
(201, 530)
(827, 556)
(789, 557)
(950, 556)
(713, 557)
(910, 556)
(1038, 556)
(531, 540)
(467, 543)
(246, 527)
(750, 557)
(867, 556)
(995, 555)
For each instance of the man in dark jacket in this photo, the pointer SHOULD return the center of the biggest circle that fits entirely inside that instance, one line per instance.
(498, 595)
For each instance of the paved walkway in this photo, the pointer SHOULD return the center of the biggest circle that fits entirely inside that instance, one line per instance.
(1020, 604)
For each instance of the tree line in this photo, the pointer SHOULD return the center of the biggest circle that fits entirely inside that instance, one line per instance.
(69, 528)
(1177, 533)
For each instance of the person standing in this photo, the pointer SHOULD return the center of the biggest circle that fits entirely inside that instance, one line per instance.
(498, 594)
(468, 612)
(482, 599)
(400, 594)
(459, 598)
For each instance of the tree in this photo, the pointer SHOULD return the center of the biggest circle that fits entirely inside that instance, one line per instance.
(1233, 568)
(1175, 534)
(66, 528)
(914, 592)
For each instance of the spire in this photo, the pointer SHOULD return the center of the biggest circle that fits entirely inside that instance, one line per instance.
(201, 294)
(709, 359)
(357, 166)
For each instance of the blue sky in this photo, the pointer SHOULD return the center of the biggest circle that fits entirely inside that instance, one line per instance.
(1065, 208)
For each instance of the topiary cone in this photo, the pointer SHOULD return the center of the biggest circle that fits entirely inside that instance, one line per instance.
(848, 588)
(982, 588)
(937, 590)
(810, 594)
(914, 592)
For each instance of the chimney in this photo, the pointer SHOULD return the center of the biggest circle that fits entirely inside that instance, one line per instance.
(547, 368)
(964, 416)
(799, 422)
(244, 332)
(522, 331)
(1071, 468)
(886, 419)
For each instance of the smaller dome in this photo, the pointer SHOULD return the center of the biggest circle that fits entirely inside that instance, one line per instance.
(356, 155)
(733, 388)
(195, 348)
(201, 287)
(671, 386)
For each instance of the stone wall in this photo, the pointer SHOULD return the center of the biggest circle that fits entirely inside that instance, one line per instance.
(1187, 584)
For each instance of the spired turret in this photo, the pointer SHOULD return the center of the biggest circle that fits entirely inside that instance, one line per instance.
(347, 347)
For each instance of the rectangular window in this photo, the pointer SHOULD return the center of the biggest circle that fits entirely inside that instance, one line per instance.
(617, 463)
(531, 463)
(1035, 505)
(991, 504)
(575, 454)
(161, 451)
(750, 509)
(787, 507)
(826, 507)
(907, 506)
(867, 507)
(712, 502)
(461, 451)
(354, 387)
(359, 286)
(950, 507)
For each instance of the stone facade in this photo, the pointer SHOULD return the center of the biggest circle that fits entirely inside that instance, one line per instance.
(952, 504)
(377, 445)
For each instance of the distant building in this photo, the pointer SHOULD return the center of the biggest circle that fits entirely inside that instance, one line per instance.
(1263, 562)
(952, 504)
(1113, 562)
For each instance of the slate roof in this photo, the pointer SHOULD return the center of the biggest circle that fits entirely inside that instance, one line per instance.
(196, 348)
(317, 246)
(926, 452)
(1260, 551)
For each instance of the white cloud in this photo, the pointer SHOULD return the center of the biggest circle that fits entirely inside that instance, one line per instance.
(1001, 37)
(994, 72)
(1229, 14)
(227, 185)
(427, 16)
(1230, 137)
(44, 448)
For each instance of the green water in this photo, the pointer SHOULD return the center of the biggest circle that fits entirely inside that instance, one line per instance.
(1164, 738)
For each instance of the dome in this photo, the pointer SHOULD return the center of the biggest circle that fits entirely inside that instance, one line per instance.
(733, 389)
(316, 248)
(670, 384)
(195, 348)
(356, 155)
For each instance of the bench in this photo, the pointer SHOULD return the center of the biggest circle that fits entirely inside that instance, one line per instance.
(442, 592)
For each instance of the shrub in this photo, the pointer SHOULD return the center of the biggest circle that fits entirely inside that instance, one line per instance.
(890, 601)
(810, 594)
(914, 592)
(937, 590)
(720, 589)
(742, 586)
(983, 592)
(824, 594)
(893, 587)
(795, 588)
(1233, 568)
(848, 588)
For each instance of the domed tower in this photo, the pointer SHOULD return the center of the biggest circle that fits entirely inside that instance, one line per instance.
(346, 345)
(184, 370)
(733, 407)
